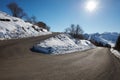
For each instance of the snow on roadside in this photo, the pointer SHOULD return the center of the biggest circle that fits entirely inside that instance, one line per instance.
(61, 44)
(115, 52)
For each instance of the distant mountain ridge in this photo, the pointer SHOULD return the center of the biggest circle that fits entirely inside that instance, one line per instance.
(12, 27)
(103, 38)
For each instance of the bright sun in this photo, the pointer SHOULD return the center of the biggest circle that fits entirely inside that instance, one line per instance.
(91, 5)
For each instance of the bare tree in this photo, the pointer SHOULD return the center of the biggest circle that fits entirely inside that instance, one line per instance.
(78, 30)
(75, 31)
(16, 10)
(117, 46)
(34, 19)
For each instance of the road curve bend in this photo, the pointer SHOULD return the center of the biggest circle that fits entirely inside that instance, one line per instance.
(17, 62)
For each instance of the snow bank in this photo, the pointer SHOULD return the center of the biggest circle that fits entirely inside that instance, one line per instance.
(61, 44)
(12, 27)
(115, 52)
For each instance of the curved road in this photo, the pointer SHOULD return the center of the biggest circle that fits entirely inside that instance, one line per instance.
(17, 62)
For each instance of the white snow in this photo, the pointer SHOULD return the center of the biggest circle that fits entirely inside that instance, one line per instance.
(18, 28)
(115, 52)
(104, 38)
(61, 44)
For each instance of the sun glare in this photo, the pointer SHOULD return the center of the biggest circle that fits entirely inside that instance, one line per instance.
(91, 5)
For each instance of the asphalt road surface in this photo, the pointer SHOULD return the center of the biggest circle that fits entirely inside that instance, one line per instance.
(17, 62)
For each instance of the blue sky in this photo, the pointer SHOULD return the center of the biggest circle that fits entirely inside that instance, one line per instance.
(60, 14)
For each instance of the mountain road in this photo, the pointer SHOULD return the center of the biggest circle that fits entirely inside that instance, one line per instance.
(18, 62)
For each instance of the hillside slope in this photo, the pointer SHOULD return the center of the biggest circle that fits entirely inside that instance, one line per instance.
(12, 27)
(104, 38)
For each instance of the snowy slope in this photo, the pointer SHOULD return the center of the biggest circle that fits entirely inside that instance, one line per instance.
(61, 44)
(104, 38)
(12, 27)
(115, 52)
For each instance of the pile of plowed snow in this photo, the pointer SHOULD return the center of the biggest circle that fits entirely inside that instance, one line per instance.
(61, 44)
(115, 52)
(12, 27)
